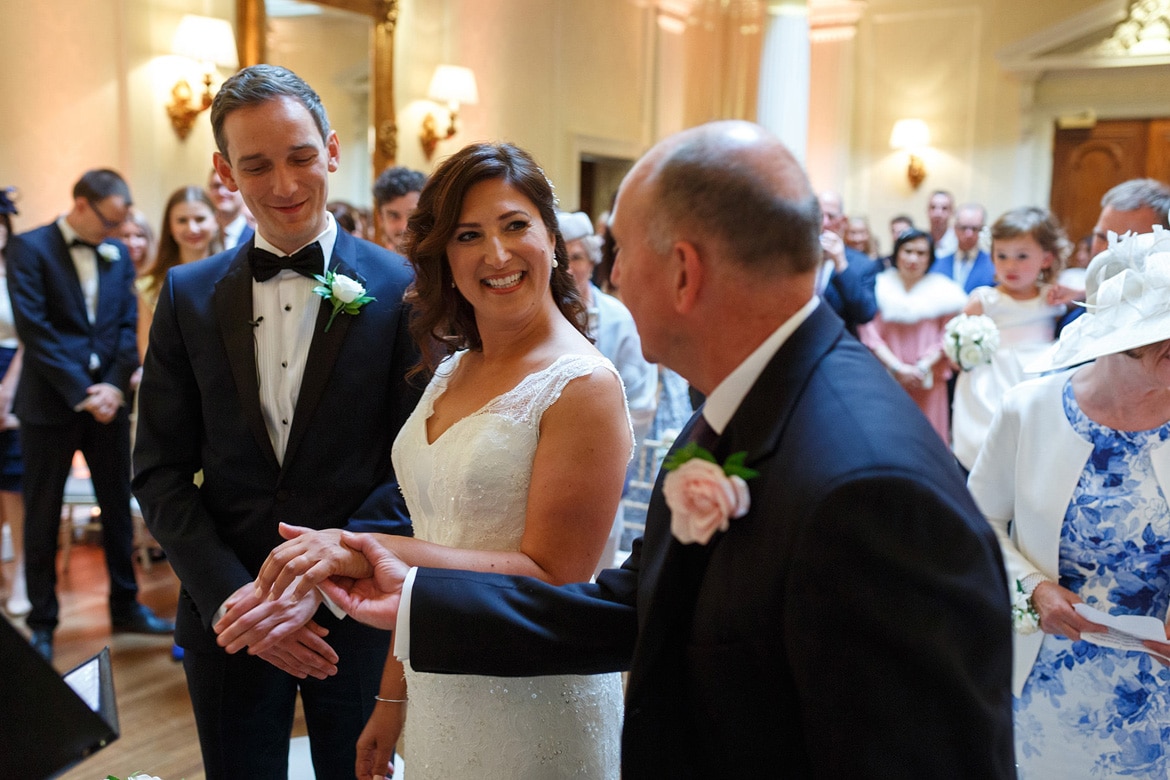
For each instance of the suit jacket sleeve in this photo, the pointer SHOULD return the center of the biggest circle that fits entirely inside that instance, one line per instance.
(855, 287)
(471, 623)
(166, 459)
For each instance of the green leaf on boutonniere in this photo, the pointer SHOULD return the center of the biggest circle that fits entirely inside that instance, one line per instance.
(732, 467)
(688, 452)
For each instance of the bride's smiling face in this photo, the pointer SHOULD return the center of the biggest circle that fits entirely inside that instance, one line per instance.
(501, 252)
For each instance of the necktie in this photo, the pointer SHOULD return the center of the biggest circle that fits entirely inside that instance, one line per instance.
(79, 242)
(703, 434)
(308, 261)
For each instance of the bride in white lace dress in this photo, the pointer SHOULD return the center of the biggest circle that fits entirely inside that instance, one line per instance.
(512, 462)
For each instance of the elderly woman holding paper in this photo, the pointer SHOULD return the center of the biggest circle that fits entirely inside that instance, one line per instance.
(1074, 477)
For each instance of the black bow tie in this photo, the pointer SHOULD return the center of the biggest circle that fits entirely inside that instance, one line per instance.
(79, 242)
(308, 261)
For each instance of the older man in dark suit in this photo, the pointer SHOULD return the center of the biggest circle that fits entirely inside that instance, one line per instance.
(848, 617)
(76, 314)
(287, 396)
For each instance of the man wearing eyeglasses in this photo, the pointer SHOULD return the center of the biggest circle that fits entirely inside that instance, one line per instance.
(76, 315)
(969, 265)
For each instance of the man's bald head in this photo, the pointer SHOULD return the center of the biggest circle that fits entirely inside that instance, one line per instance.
(733, 182)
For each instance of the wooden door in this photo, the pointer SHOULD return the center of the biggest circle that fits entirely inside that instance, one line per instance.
(1086, 163)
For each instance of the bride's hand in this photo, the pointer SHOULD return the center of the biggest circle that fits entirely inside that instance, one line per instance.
(374, 599)
(312, 555)
(375, 746)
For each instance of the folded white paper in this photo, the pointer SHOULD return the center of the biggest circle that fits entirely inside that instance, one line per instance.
(1125, 632)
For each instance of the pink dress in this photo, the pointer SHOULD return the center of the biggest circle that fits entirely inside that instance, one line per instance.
(910, 324)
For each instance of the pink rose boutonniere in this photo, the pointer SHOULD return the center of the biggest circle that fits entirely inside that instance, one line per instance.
(702, 495)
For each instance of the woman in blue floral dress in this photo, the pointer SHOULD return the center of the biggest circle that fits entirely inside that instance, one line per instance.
(1074, 477)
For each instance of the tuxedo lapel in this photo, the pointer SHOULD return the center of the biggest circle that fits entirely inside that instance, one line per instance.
(60, 251)
(323, 353)
(232, 300)
(109, 297)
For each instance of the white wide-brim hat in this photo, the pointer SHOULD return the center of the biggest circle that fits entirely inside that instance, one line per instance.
(1127, 302)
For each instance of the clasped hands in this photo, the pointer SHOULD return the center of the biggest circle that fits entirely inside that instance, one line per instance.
(355, 571)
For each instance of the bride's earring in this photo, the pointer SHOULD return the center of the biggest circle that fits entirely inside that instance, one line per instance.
(555, 263)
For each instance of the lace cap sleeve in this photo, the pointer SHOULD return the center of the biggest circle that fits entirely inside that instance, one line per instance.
(528, 401)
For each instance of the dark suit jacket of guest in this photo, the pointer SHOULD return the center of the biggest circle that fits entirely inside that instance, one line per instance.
(199, 409)
(850, 293)
(855, 623)
(982, 271)
(49, 310)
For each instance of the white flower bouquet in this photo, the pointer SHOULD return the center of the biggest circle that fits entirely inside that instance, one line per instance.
(970, 340)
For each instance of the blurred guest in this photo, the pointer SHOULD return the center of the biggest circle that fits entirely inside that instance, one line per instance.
(858, 236)
(189, 233)
(236, 224)
(348, 218)
(79, 356)
(11, 507)
(1132, 206)
(138, 236)
(940, 208)
(846, 279)
(612, 329)
(396, 193)
(906, 335)
(969, 265)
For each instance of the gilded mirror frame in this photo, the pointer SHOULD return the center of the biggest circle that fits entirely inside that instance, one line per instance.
(250, 29)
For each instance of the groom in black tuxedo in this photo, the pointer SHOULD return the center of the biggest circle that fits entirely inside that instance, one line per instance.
(257, 408)
(76, 313)
(855, 622)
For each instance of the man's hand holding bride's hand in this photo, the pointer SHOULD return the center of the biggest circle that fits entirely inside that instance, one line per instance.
(372, 599)
(311, 555)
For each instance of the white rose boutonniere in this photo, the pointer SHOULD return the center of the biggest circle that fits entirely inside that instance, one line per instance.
(702, 495)
(345, 294)
(109, 253)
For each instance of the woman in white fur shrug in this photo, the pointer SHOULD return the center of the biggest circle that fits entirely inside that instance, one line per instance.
(906, 335)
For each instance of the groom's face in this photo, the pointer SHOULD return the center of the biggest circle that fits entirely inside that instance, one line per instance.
(279, 162)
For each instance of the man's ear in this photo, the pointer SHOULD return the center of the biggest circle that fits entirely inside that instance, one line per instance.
(224, 169)
(333, 151)
(689, 275)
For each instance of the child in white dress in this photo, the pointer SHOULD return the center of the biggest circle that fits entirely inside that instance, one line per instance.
(1028, 248)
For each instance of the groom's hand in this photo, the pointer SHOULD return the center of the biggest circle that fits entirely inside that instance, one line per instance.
(276, 631)
(372, 600)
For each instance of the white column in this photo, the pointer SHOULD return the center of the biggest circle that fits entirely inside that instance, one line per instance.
(784, 72)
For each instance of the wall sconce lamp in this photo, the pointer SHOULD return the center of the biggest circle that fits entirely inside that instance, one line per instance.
(452, 85)
(211, 43)
(911, 135)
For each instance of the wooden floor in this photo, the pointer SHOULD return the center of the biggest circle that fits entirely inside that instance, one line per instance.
(158, 729)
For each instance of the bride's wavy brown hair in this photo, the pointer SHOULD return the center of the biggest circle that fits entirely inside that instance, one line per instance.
(442, 321)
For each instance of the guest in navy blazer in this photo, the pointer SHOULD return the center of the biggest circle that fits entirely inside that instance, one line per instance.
(848, 287)
(969, 266)
(288, 410)
(854, 621)
(76, 313)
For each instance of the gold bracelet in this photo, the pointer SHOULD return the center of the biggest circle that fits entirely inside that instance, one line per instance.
(390, 701)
